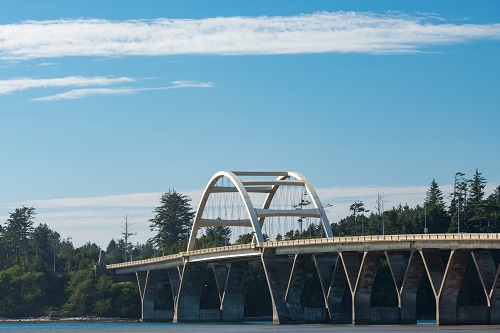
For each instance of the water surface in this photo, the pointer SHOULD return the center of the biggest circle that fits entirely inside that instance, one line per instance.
(248, 327)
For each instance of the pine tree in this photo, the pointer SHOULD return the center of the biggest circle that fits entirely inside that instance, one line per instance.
(18, 229)
(172, 221)
(475, 205)
(435, 196)
(493, 211)
(437, 219)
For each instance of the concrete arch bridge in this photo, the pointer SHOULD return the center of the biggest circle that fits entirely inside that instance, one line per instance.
(346, 267)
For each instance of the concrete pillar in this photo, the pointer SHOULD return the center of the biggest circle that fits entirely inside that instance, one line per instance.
(360, 278)
(220, 272)
(446, 282)
(409, 289)
(407, 279)
(295, 288)
(495, 300)
(435, 271)
(147, 282)
(175, 280)
(454, 275)
(277, 270)
(488, 274)
(334, 286)
(187, 308)
(100, 268)
(235, 290)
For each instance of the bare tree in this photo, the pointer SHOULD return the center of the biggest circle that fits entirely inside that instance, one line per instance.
(126, 228)
(379, 206)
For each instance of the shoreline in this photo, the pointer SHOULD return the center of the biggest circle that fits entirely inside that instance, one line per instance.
(47, 319)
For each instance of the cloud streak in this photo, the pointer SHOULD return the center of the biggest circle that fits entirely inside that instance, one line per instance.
(313, 33)
(81, 93)
(18, 84)
(98, 219)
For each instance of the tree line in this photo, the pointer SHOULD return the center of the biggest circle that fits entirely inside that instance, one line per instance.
(44, 274)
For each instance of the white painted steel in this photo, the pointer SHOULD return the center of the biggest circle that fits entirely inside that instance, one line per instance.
(246, 201)
(256, 217)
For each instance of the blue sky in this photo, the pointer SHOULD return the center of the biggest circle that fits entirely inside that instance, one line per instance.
(106, 105)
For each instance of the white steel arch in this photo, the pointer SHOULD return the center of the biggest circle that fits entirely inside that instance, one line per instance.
(257, 216)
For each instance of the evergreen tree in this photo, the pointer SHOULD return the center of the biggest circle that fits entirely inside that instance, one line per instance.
(215, 236)
(244, 238)
(437, 220)
(493, 211)
(172, 221)
(476, 206)
(434, 196)
(18, 229)
(45, 242)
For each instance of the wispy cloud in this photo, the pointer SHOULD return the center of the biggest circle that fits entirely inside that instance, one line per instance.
(312, 33)
(13, 85)
(81, 93)
(98, 219)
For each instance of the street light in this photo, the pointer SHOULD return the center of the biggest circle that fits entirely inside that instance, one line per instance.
(425, 219)
(460, 174)
(363, 222)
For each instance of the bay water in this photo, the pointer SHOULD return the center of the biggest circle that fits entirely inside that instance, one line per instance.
(248, 327)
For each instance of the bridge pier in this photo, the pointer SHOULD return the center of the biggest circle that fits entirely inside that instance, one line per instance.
(187, 306)
(446, 282)
(407, 277)
(234, 292)
(488, 274)
(333, 285)
(360, 278)
(147, 282)
(295, 288)
(286, 281)
(232, 285)
(494, 299)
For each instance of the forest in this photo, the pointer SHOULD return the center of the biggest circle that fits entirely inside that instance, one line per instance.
(42, 274)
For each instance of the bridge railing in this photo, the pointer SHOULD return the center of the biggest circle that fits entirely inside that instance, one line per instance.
(312, 241)
(221, 249)
(145, 261)
(181, 255)
(386, 238)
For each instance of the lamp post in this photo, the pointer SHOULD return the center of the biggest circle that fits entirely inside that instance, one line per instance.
(425, 218)
(363, 221)
(459, 174)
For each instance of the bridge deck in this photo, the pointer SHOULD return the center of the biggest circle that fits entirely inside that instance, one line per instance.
(317, 245)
